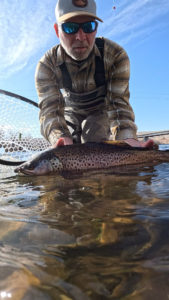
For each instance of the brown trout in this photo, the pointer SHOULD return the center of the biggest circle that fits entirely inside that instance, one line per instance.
(89, 156)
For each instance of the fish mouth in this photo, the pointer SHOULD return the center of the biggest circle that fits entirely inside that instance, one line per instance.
(27, 172)
(24, 171)
(43, 168)
(43, 164)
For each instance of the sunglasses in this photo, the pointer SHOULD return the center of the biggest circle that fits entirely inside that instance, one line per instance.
(71, 27)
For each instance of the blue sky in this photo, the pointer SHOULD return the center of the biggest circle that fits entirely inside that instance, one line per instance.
(140, 26)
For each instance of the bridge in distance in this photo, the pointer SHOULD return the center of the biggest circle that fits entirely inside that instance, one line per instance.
(152, 133)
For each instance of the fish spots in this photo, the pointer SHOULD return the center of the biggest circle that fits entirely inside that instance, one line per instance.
(89, 156)
(93, 156)
(56, 164)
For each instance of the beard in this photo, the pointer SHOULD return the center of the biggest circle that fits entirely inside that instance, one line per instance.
(79, 50)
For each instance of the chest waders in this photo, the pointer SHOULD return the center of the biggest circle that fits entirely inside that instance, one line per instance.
(90, 101)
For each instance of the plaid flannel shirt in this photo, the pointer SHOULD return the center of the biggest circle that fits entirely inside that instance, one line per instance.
(48, 79)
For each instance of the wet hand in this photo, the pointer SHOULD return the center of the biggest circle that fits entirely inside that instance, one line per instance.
(135, 143)
(63, 141)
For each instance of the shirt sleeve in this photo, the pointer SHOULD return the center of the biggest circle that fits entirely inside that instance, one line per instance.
(121, 115)
(51, 102)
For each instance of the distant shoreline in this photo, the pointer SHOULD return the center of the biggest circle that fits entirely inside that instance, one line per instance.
(160, 139)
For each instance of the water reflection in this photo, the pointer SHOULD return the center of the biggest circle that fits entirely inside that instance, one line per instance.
(99, 236)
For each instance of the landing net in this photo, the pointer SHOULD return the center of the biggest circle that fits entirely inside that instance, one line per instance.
(20, 135)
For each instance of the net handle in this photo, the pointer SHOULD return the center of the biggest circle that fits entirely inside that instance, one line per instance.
(10, 163)
(19, 97)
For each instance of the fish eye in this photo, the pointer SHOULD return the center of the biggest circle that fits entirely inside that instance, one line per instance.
(29, 167)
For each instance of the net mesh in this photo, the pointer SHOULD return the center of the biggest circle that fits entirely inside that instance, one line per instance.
(20, 135)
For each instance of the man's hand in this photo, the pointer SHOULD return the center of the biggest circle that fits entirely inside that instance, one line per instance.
(63, 141)
(135, 143)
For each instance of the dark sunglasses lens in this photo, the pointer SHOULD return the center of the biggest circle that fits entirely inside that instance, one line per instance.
(70, 27)
(89, 27)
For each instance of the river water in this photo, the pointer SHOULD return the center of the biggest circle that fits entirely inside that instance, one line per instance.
(96, 236)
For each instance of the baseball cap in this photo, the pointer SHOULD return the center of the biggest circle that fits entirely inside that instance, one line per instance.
(66, 9)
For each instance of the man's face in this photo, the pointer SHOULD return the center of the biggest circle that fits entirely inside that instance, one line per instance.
(80, 44)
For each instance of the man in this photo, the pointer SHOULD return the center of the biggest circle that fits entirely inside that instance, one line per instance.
(83, 83)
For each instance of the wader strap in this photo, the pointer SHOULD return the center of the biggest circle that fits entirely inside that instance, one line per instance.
(99, 75)
(67, 81)
(99, 64)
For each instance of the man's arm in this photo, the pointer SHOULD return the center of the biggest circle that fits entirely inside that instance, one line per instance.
(122, 118)
(51, 102)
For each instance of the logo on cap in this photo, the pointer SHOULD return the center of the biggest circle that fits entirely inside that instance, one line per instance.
(80, 3)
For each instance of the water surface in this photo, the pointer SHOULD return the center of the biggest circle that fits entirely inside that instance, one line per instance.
(95, 236)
